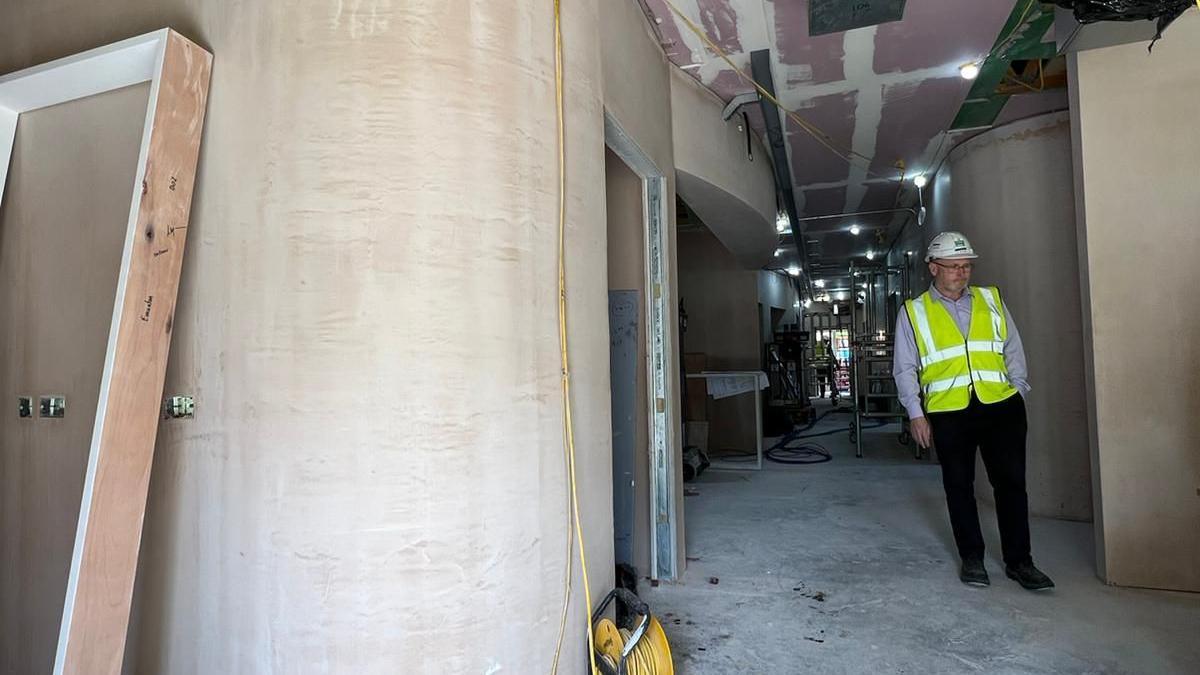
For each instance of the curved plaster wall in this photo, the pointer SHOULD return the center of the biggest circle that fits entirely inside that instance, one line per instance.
(1010, 190)
(374, 480)
(733, 196)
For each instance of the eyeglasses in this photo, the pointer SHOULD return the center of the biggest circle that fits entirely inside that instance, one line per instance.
(965, 267)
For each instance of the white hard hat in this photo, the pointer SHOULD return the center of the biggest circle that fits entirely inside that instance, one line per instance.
(950, 246)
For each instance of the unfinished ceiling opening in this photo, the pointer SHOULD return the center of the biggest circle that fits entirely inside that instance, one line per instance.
(835, 16)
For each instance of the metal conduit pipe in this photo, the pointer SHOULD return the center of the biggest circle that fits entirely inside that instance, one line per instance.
(859, 213)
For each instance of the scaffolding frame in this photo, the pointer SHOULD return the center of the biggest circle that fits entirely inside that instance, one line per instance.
(873, 342)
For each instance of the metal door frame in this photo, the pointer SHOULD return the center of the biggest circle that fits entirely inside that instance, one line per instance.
(659, 350)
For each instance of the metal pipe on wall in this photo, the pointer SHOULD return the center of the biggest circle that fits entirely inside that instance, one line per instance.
(858, 213)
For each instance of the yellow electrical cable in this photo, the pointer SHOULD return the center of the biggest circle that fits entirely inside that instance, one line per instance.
(816, 133)
(568, 426)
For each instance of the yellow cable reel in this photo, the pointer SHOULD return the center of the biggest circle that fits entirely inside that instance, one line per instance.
(609, 640)
(621, 651)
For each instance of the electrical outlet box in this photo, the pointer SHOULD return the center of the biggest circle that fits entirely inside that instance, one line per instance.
(53, 406)
(179, 407)
(24, 406)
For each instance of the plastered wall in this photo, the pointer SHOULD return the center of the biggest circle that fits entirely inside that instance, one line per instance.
(1135, 133)
(374, 481)
(776, 290)
(730, 189)
(721, 299)
(1009, 191)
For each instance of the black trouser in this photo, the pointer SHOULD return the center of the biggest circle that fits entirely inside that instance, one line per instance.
(998, 430)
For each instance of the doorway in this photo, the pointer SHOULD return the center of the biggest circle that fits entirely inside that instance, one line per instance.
(641, 302)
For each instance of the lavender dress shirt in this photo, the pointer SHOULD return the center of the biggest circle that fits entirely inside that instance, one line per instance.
(907, 358)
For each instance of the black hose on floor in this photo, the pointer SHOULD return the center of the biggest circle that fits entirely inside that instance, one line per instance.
(805, 453)
(785, 451)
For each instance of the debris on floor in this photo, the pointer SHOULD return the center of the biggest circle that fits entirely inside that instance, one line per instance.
(819, 596)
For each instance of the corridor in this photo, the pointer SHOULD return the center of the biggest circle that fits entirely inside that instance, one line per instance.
(849, 567)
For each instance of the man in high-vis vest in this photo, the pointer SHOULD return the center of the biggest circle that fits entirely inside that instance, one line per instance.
(961, 375)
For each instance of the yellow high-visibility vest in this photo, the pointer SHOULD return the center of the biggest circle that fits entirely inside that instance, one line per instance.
(819, 352)
(951, 366)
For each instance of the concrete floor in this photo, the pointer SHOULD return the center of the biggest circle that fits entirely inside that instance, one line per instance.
(849, 567)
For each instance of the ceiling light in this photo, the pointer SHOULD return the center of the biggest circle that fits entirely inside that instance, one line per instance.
(835, 310)
(841, 296)
(778, 252)
(807, 304)
(855, 229)
(920, 180)
(794, 270)
(819, 283)
(969, 71)
(870, 254)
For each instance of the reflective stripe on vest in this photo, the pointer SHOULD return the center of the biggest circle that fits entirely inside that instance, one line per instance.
(965, 380)
(951, 365)
(921, 324)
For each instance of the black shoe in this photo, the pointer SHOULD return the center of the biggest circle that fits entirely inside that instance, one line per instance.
(973, 573)
(1029, 576)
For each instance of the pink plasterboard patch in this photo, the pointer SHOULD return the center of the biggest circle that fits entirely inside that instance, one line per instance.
(822, 55)
(912, 115)
(812, 162)
(939, 32)
(728, 84)
(671, 33)
(720, 23)
(718, 19)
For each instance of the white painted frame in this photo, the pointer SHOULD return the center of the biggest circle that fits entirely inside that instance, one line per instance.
(116, 66)
(660, 353)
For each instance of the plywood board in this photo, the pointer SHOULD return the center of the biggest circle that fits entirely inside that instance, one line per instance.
(108, 531)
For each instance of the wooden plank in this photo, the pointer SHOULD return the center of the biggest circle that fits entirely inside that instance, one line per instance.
(102, 577)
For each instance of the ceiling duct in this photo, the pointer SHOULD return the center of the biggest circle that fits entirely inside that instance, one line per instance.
(836, 16)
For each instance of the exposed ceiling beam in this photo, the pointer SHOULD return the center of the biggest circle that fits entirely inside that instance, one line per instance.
(760, 64)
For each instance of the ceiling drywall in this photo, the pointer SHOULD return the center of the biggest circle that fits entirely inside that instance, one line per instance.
(886, 92)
